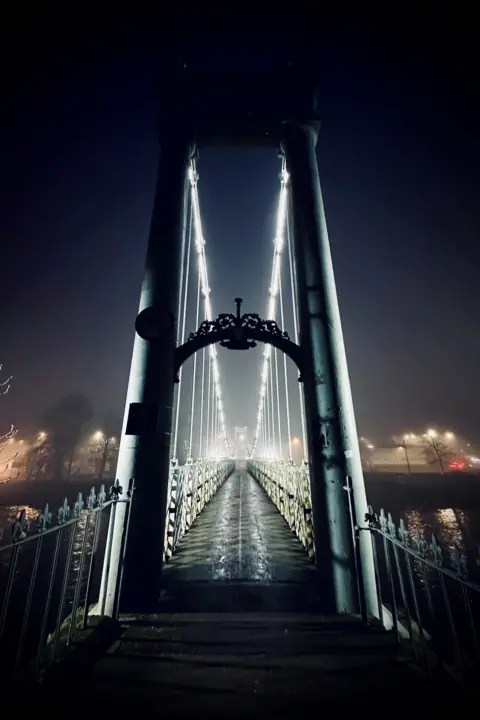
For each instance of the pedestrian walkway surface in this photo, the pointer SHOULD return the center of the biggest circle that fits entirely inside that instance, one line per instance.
(240, 556)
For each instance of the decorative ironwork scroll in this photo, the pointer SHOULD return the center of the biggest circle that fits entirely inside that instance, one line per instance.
(238, 332)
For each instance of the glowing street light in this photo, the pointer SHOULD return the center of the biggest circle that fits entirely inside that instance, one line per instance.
(42, 435)
(98, 435)
(431, 433)
(450, 436)
(296, 441)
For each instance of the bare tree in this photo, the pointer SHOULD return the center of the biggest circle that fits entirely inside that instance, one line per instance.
(436, 451)
(6, 459)
(39, 460)
(107, 441)
(64, 424)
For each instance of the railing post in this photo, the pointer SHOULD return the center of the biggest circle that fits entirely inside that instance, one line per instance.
(358, 557)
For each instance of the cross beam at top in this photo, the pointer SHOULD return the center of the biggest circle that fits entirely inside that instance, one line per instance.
(238, 108)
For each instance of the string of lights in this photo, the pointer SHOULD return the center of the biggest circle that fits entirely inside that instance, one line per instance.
(205, 289)
(274, 289)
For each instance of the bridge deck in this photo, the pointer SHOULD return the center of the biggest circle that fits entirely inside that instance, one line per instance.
(240, 555)
(238, 632)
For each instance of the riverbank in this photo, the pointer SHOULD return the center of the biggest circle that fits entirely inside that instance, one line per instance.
(421, 492)
(37, 493)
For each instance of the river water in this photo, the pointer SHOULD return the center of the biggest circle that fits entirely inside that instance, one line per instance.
(452, 526)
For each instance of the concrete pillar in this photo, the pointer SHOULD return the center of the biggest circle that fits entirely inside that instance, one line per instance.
(332, 435)
(145, 443)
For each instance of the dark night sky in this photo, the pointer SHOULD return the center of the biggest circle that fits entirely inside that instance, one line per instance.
(399, 154)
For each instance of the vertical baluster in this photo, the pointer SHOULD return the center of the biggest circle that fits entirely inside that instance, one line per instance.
(91, 567)
(28, 604)
(356, 544)
(63, 593)
(438, 560)
(108, 554)
(377, 575)
(471, 620)
(392, 530)
(388, 564)
(78, 580)
(131, 488)
(460, 565)
(8, 589)
(48, 602)
(404, 539)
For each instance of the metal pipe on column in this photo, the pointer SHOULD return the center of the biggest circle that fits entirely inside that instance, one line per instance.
(146, 433)
(334, 452)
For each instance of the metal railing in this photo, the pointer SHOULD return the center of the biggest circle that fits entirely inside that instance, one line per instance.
(428, 596)
(288, 486)
(191, 487)
(51, 579)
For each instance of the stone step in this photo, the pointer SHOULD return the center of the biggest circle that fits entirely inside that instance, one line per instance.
(233, 664)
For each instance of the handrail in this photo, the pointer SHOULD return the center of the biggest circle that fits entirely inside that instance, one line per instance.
(288, 487)
(48, 579)
(192, 486)
(433, 605)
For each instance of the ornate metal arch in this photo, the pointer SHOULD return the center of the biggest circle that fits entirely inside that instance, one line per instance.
(238, 332)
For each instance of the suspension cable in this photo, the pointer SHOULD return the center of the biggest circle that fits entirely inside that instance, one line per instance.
(295, 330)
(183, 315)
(279, 423)
(200, 247)
(274, 285)
(200, 432)
(272, 408)
(194, 376)
(285, 374)
(209, 395)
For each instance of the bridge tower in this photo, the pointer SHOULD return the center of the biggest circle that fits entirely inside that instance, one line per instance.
(274, 110)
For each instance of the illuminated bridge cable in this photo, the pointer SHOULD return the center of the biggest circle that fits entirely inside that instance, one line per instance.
(295, 328)
(182, 315)
(285, 375)
(273, 292)
(272, 406)
(202, 395)
(209, 395)
(194, 376)
(205, 288)
(277, 387)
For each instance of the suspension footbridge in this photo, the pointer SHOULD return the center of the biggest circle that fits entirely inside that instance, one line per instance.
(200, 558)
